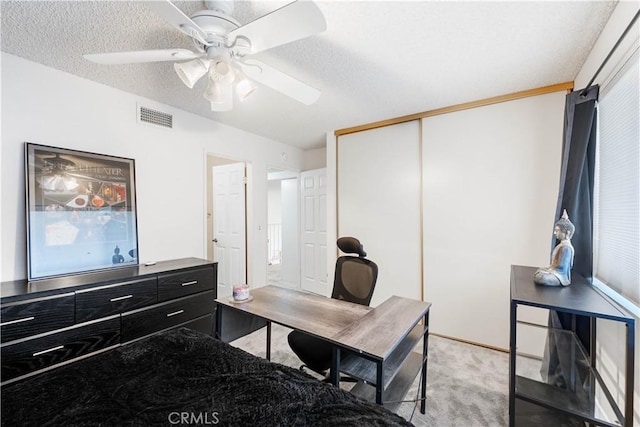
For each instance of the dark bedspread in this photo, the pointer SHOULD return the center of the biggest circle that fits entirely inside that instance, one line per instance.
(183, 377)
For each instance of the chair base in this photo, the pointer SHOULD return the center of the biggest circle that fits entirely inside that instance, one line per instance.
(327, 379)
(327, 376)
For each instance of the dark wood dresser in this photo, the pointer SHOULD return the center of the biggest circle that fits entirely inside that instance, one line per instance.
(51, 322)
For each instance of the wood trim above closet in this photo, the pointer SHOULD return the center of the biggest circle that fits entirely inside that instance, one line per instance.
(568, 86)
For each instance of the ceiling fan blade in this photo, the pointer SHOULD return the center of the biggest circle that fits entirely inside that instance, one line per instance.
(140, 56)
(178, 19)
(279, 81)
(292, 22)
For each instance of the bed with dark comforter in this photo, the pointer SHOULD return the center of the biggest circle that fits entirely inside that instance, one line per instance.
(183, 377)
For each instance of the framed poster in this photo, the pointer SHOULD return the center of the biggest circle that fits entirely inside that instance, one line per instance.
(81, 211)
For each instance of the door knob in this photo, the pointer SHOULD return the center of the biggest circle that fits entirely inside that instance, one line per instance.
(215, 240)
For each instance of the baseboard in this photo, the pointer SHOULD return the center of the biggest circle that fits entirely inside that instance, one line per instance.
(490, 347)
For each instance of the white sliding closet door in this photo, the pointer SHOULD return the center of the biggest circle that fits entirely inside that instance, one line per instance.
(491, 179)
(379, 203)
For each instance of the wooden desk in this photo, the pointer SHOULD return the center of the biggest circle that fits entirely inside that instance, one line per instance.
(378, 361)
(380, 342)
(314, 314)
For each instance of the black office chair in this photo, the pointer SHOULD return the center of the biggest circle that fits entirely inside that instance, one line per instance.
(354, 281)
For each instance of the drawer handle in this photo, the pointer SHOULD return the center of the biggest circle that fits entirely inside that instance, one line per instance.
(175, 312)
(48, 350)
(11, 322)
(121, 298)
(190, 283)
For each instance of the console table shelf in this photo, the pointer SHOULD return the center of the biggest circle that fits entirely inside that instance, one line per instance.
(544, 394)
(532, 401)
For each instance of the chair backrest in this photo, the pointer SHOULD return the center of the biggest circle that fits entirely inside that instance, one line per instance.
(356, 276)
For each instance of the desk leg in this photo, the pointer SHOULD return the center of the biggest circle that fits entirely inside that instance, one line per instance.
(628, 384)
(592, 360)
(218, 330)
(379, 384)
(512, 364)
(425, 349)
(335, 367)
(269, 341)
(572, 372)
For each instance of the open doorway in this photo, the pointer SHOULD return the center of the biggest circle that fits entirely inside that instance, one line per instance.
(283, 229)
(226, 221)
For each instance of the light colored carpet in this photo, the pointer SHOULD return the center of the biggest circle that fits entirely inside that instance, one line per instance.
(467, 385)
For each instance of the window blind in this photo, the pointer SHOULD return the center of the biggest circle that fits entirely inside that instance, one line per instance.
(617, 201)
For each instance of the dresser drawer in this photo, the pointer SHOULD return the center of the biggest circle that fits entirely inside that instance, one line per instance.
(34, 316)
(183, 283)
(106, 300)
(204, 324)
(29, 355)
(145, 321)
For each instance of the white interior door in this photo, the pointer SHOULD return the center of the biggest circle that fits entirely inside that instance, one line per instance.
(313, 196)
(229, 230)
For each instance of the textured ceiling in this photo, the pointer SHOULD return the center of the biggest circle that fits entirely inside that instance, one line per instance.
(377, 60)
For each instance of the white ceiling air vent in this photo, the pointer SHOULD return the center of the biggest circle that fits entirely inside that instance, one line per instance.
(154, 117)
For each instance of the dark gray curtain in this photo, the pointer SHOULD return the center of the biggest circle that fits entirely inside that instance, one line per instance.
(576, 188)
(577, 174)
(576, 196)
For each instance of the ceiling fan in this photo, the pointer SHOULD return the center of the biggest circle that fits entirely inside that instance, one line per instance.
(223, 47)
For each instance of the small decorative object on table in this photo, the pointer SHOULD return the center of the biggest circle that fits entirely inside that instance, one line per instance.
(559, 272)
(241, 292)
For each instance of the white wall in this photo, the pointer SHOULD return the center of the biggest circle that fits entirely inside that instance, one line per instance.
(274, 210)
(611, 335)
(618, 22)
(314, 159)
(332, 209)
(46, 106)
(290, 233)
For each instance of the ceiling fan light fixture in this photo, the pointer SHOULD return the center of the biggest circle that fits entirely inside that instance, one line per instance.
(190, 72)
(244, 86)
(221, 71)
(226, 103)
(213, 93)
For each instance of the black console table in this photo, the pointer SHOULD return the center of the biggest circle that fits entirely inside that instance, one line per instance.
(51, 322)
(534, 402)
